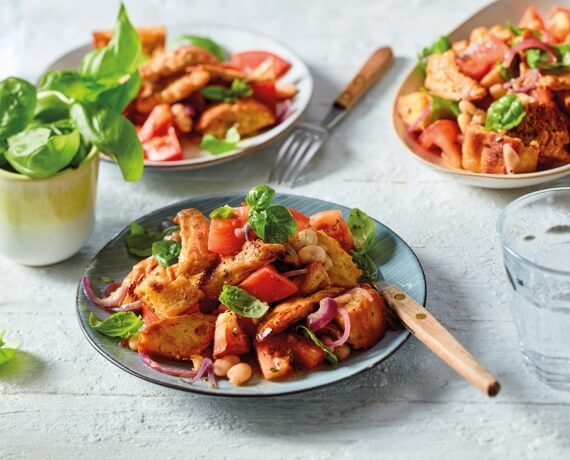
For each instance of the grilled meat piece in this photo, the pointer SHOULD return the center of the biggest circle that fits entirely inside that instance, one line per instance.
(545, 124)
(194, 254)
(174, 62)
(444, 79)
(175, 91)
(222, 72)
(249, 115)
(234, 269)
(291, 311)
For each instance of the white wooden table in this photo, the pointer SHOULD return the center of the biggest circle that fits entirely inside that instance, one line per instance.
(62, 400)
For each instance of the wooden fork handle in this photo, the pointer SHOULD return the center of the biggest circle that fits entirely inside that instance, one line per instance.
(375, 66)
(438, 339)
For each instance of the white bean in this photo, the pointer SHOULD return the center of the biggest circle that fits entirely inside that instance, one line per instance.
(312, 253)
(342, 352)
(467, 107)
(240, 373)
(304, 238)
(463, 120)
(223, 365)
(134, 342)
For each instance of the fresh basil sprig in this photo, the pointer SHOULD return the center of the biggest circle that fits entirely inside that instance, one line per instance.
(217, 146)
(166, 252)
(242, 303)
(123, 324)
(223, 212)
(239, 88)
(272, 223)
(505, 113)
(201, 42)
(7, 353)
(329, 354)
(363, 231)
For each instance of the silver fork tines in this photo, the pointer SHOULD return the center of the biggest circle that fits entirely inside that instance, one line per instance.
(296, 153)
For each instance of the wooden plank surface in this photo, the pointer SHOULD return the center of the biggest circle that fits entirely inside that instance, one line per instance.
(62, 400)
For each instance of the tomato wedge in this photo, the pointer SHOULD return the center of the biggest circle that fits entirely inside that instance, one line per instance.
(332, 223)
(266, 93)
(159, 121)
(248, 61)
(268, 285)
(302, 219)
(223, 239)
(163, 148)
(443, 134)
(480, 57)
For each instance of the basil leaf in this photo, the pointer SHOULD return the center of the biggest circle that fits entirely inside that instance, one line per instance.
(505, 113)
(536, 58)
(120, 57)
(166, 252)
(170, 230)
(119, 96)
(71, 84)
(366, 264)
(201, 42)
(441, 45)
(223, 212)
(42, 151)
(3, 149)
(123, 324)
(216, 146)
(17, 105)
(139, 242)
(6, 353)
(363, 229)
(259, 196)
(442, 108)
(273, 225)
(329, 354)
(239, 88)
(111, 133)
(52, 106)
(242, 303)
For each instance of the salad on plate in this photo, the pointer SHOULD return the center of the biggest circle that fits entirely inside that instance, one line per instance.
(254, 289)
(192, 96)
(498, 101)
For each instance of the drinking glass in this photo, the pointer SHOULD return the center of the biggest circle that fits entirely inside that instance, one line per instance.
(9, 29)
(534, 232)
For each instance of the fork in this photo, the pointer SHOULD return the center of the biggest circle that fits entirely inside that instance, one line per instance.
(304, 142)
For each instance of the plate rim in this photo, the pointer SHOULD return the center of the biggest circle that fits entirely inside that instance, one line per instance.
(403, 338)
(541, 176)
(239, 152)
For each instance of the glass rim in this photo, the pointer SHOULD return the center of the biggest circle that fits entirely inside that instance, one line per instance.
(511, 251)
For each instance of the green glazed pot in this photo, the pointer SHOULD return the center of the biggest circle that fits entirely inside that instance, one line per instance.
(45, 221)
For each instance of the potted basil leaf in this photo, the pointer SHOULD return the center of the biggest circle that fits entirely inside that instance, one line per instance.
(50, 139)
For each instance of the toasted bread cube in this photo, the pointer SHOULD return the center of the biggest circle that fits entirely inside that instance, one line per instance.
(411, 106)
(179, 337)
(344, 272)
(152, 38)
(368, 318)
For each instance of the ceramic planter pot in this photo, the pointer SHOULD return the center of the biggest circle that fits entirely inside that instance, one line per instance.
(45, 221)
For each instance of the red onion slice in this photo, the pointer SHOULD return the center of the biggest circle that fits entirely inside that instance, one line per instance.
(421, 118)
(292, 273)
(248, 232)
(108, 302)
(526, 44)
(110, 288)
(324, 315)
(133, 306)
(340, 342)
(185, 373)
(212, 377)
(204, 367)
(526, 87)
(283, 110)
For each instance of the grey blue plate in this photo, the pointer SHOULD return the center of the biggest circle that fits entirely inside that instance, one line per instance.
(397, 261)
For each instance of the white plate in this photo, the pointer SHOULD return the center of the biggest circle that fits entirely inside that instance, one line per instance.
(497, 13)
(232, 39)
